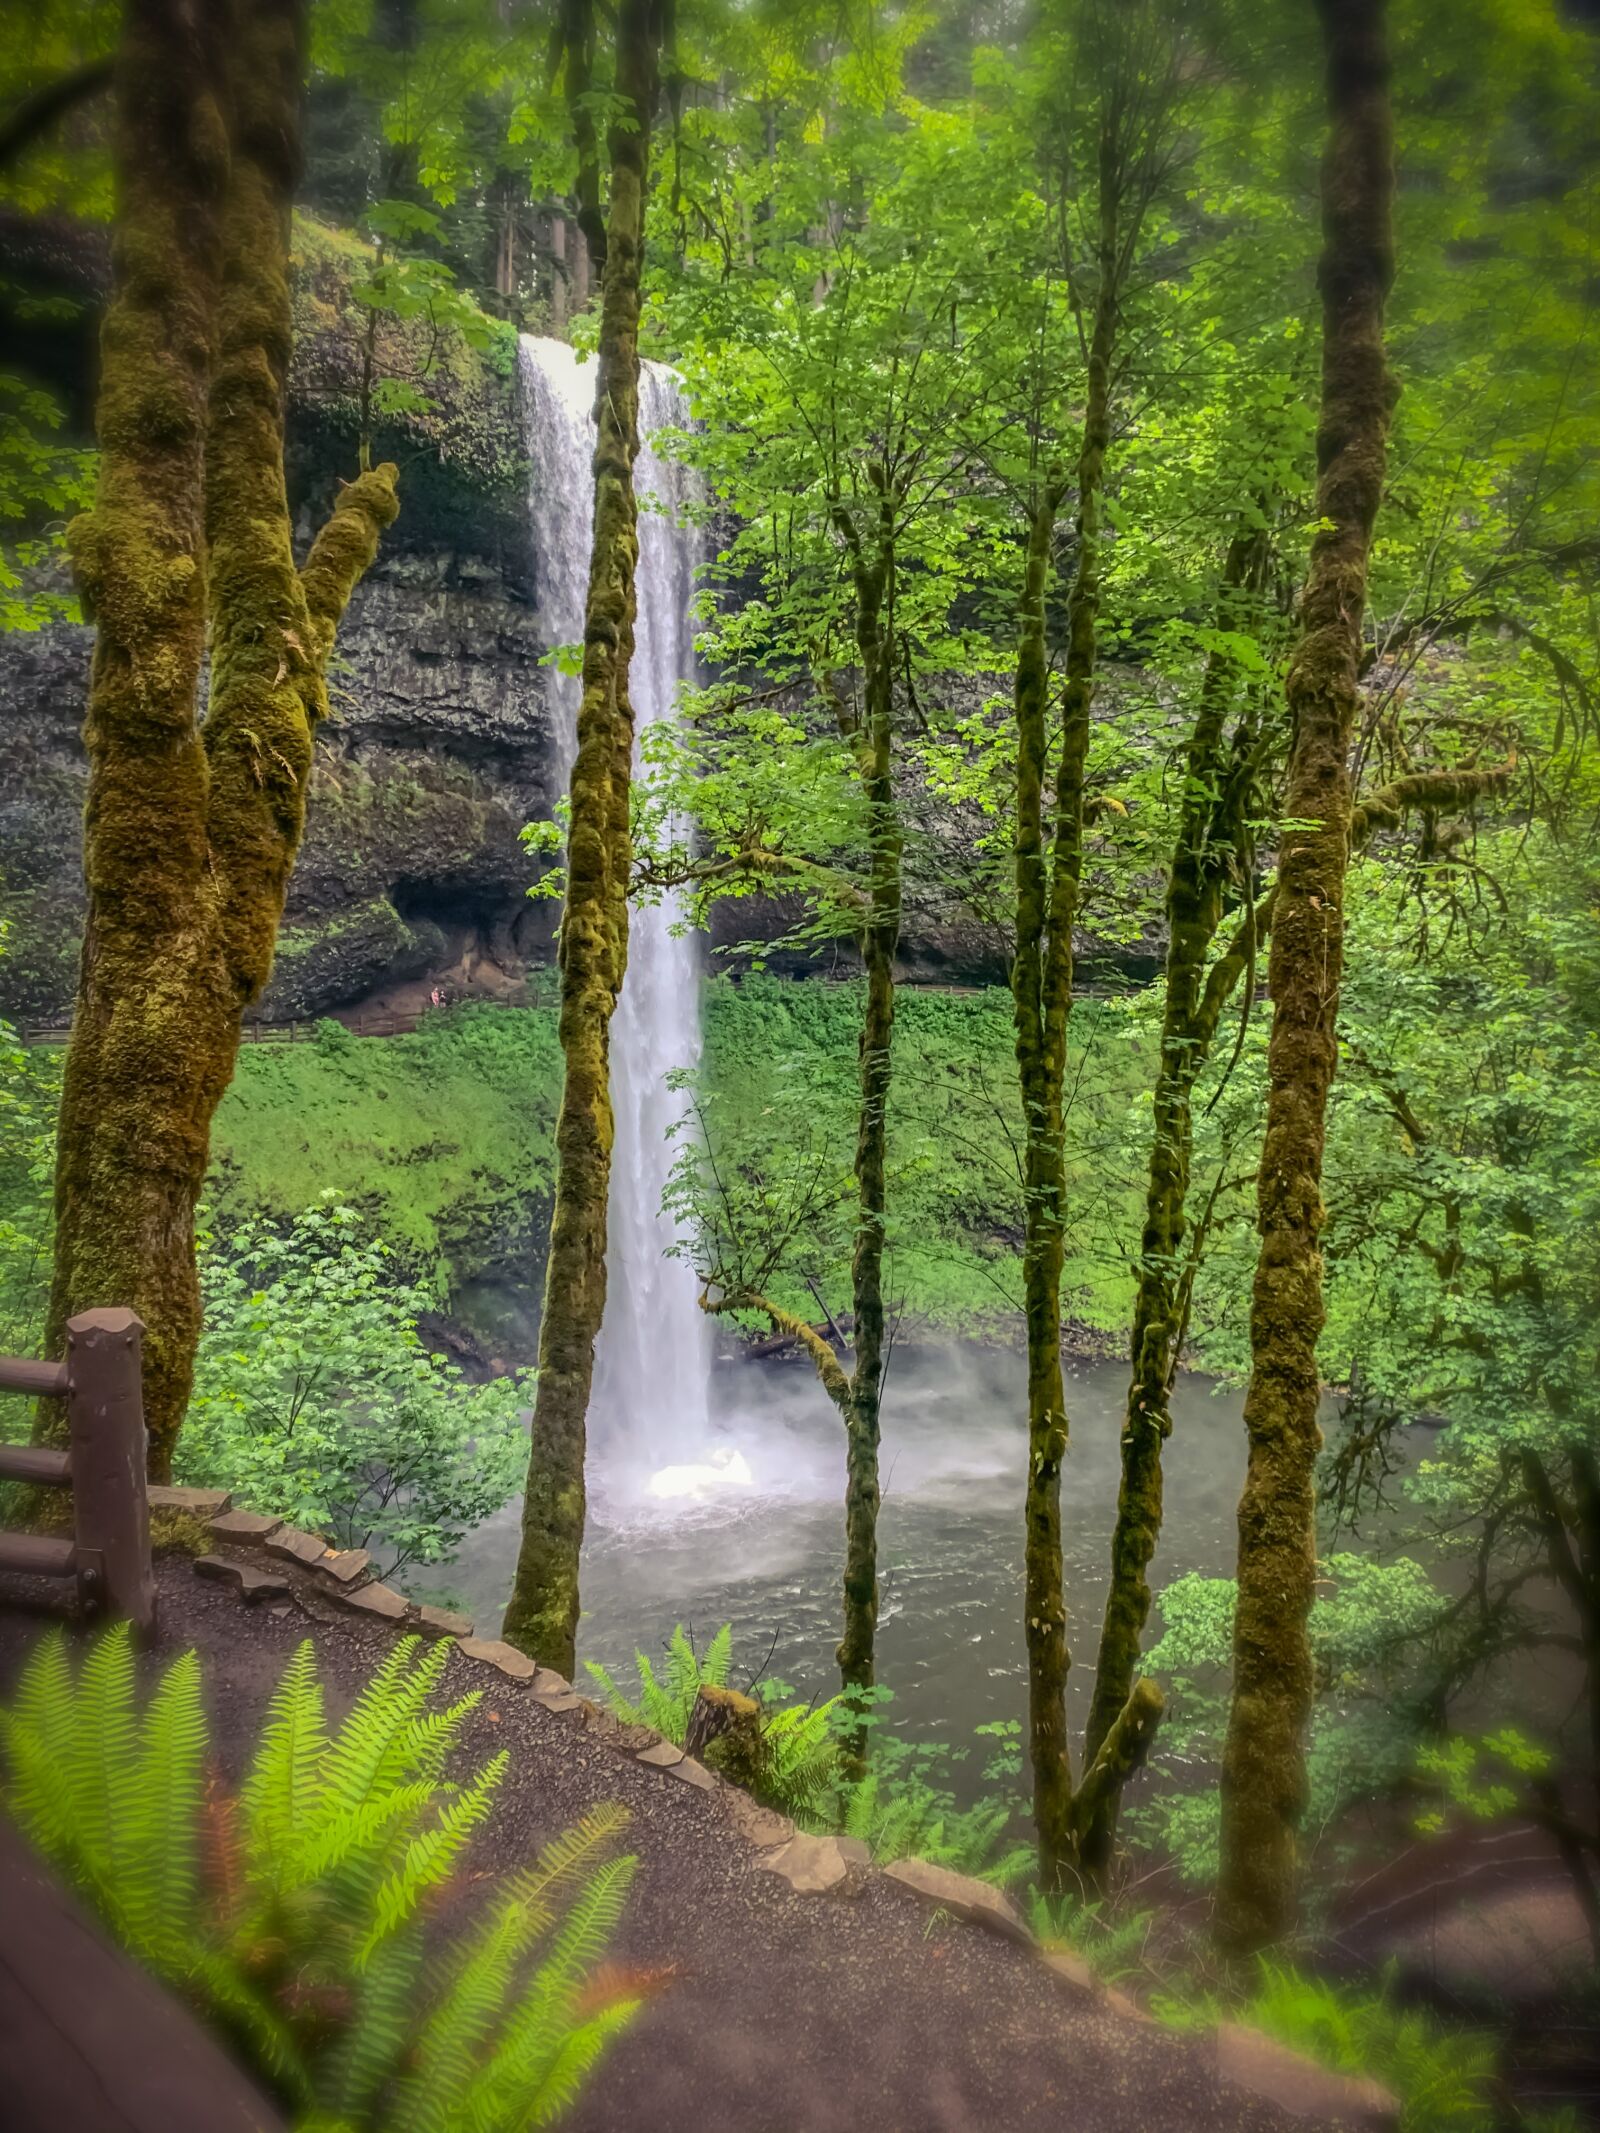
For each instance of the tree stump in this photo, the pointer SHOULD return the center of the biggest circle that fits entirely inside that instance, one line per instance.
(725, 1731)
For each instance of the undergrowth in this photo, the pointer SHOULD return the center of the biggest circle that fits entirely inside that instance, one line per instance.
(291, 1913)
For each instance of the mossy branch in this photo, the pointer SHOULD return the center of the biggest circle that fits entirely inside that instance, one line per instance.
(1120, 1754)
(753, 861)
(835, 1381)
(1437, 791)
(345, 550)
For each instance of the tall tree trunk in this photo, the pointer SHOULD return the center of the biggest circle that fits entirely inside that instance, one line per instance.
(1042, 991)
(1205, 858)
(574, 41)
(1263, 1774)
(189, 833)
(542, 1615)
(880, 938)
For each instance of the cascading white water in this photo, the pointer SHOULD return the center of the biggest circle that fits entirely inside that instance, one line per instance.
(649, 1410)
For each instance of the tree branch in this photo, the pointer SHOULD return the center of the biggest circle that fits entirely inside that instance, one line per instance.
(37, 113)
(835, 1381)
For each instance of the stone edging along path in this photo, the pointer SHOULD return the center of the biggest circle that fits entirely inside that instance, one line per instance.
(263, 1559)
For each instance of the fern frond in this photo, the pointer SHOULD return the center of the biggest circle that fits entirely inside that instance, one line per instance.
(803, 1755)
(429, 1858)
(861, 1808)
(378, 2038)
(162, 1811)
(282, 1786)
(241, 2011)
(465, 2017)
(663, 1707)
(37, 1735)
(101, 1763)
(542, 2026)
(565, 2073)
(364, 1828)
(616, 1702)
(719, 1657)
(683, 1669)
(473, 2000)
(373, 1746)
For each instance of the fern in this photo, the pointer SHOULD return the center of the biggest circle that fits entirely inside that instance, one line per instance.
(117, 1815)
(307, 1947)
(280, 1790)
(905, 1817)
(665, 1701)
(1111, 1941)
(802, 1747)
(802, 1757)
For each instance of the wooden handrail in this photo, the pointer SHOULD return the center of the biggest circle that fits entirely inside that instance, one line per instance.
(37, 1464)
(21, 1374)
(88, 2039)
(104, 1465)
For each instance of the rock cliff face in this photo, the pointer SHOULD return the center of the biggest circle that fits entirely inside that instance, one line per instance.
(440, 748)
(439, 751)
(440, 745)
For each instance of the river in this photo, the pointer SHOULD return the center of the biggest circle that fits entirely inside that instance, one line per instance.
(766, 1556)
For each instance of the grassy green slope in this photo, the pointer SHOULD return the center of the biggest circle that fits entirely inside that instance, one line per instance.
(445, 1136)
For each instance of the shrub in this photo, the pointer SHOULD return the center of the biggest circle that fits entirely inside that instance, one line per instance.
(800, 1749)
(315, 1399)
(1442, 2075)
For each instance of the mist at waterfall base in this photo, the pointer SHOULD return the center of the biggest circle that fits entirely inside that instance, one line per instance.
(769, 1558)
(716, 1495)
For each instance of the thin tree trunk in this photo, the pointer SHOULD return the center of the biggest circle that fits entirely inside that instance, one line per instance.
(1045, 1603)
(189, 834)
(1205, 857)
(575, 34)
(880, 939)
(1042, 989)
(1263, 1775)
(542, 1615)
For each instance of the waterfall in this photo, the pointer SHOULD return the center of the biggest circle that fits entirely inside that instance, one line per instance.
(649, 1408)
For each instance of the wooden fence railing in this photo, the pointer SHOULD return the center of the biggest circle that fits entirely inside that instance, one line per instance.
(103, 1465)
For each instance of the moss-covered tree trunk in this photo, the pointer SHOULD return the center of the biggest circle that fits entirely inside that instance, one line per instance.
(1048, 876)
(190, 832)
(868, 730)
(1263, 1776)
(542, 1615)
(873, 740)
(1207, 855)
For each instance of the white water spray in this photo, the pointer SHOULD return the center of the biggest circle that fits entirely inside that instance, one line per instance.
(649, 1409)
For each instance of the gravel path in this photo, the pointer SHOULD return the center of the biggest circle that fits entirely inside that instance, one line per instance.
(855, 2012)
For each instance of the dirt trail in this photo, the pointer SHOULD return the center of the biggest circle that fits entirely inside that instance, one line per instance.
(855, 2012)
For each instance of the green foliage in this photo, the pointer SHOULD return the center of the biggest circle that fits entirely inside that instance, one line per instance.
(292, 1913)
(1442, 2074)
(27, 1167)
(664, 1702)
(1484, 1778)
(44, 480)
(766, 1181)
(1112, 1939)
(1367, 1622)
(897, 1806)
(442, 1138)
(896, 1809)
(799, 1742)
(315, 1399)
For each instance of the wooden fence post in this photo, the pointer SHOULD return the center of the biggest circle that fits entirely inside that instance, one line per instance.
(105, 1419)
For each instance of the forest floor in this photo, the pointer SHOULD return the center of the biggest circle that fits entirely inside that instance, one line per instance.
(765, 2011)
